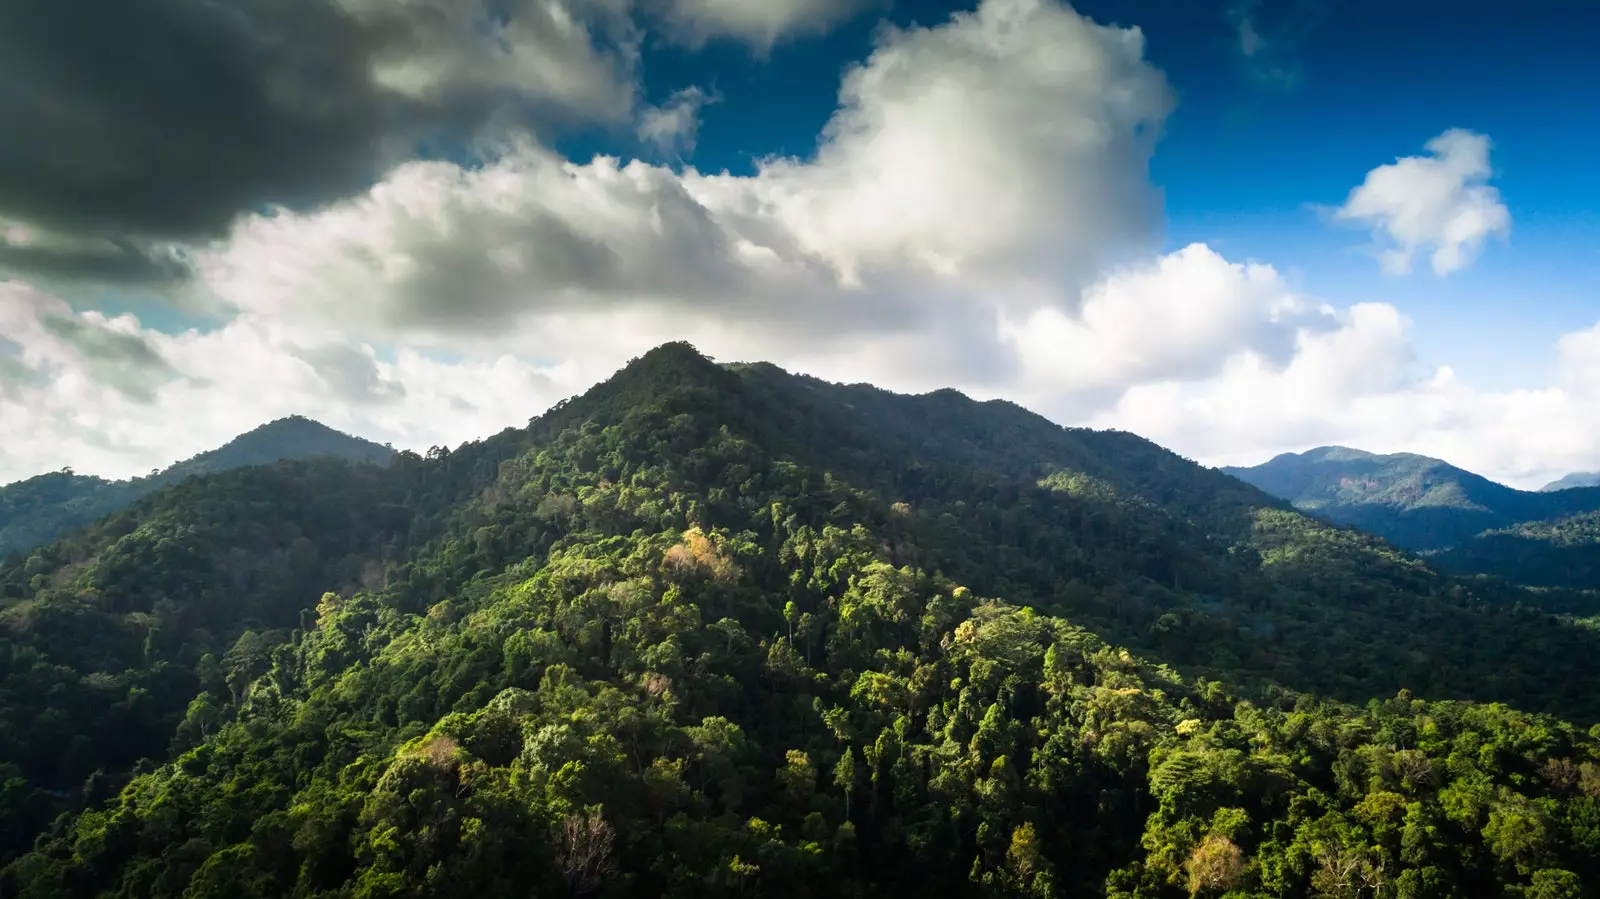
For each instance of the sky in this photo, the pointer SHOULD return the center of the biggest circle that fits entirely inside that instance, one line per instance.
(1237, 228)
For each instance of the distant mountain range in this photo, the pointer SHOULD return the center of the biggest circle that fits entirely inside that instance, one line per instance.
(1576, 479)
(1464, 522)
(40, 509)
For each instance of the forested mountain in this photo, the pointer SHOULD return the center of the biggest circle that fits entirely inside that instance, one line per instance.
(1562, 552)
(42, 508)
(722, 630)
(1415, 501)
(1576, 479)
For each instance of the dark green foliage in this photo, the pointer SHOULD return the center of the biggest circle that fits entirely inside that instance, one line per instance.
(40, 509)
(1564, 552)
(721, 631)
(106, 637)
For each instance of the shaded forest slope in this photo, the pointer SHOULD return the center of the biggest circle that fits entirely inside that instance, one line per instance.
(42, 508)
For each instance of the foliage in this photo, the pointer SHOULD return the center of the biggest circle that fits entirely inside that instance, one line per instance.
(1563, 552)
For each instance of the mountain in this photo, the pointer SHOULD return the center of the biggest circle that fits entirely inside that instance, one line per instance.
(1576, 479)
(42, 508)
(721, 630)
(1414, 501)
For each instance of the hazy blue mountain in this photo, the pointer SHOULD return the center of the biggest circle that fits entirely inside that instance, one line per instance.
(1415, 501)
(1576, 479)
(40, 509)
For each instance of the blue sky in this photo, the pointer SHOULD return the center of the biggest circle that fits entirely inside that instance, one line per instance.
(425, 243)
(1247, 157)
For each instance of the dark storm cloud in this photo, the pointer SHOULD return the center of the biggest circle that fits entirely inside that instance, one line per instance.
(118, 260)
(160, 120)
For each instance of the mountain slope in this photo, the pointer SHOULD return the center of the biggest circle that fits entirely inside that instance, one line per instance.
(1415, 501)
(42, 508)
(1576, 479)
(1561, 552)
(723, 631)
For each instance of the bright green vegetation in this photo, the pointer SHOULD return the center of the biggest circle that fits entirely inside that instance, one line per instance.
(40, 509)
(723, 631)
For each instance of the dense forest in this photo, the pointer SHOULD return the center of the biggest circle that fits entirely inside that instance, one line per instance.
(40, 509)
(726, 631)
(1561, 552)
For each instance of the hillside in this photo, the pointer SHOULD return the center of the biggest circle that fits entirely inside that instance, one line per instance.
(1576, 479)
(726, 631)
(1414, 501)
(1562, 552)
(40, 509)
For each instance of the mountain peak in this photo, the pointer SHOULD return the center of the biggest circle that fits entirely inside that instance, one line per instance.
(293, 436)
(646, 381)
(677, 363)
(1333, 454)
(1416, 501)
(40, 509)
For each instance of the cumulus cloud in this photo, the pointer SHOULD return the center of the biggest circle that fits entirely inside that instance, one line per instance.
(133, 127)
(1181, 317)
(115, 398)
(998, 160)
(83, 355)
(1360, 384)
(1440, 204)
(977, 214)
(436, 251)
(758, 24)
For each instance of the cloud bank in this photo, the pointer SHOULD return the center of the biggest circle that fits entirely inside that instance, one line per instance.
(978, 213)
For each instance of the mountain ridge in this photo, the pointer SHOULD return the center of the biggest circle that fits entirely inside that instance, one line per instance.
(1418, 502)
(1575, 479)
(36, 510)
(721, 631)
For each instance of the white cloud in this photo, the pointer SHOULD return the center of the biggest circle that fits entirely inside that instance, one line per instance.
(674, 126)
(1440, 203)
(436, 251)
(978, 214)
(58, 407)
(1180, 317)
(1000, 159)
(1361, 385)
(758, 23)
